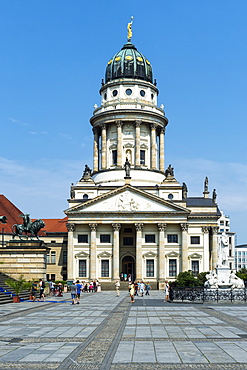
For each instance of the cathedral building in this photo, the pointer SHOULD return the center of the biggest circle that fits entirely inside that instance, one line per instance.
(129, 215)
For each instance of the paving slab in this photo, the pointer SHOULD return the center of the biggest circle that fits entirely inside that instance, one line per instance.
(105, 332)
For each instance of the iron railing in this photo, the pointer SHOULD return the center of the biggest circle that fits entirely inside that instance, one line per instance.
(200, 294)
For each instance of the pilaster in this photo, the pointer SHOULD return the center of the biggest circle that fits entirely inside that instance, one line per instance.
(70, 265)
(162, 229)
(137, 143)
(184, 246)
(116, 274)
(93, 251)
(139, 227)
(103, 147)
(119, 143)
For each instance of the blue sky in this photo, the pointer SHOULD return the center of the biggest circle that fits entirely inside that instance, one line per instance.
(52, 59)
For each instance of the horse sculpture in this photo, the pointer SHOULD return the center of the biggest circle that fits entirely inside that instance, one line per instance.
(32, 228)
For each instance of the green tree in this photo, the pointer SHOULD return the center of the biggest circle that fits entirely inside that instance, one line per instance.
(242, 273)
(187, 279)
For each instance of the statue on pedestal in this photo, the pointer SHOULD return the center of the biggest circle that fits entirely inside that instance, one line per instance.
(169, 171)
(28, 227)
(127, 168)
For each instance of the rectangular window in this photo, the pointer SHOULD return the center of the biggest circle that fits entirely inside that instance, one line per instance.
(195, 267)
(172, 238)
(53, 257)
(104, 268)
(114, 157)
(82, 268)
(172, 267)
(150, 268)
(65, 257)
(83, 238)
(195, 240)
(53, 277)
(48, 258)
(142, 157)
(128, 240)
(150, 238)
(47, 277)
(105, 238)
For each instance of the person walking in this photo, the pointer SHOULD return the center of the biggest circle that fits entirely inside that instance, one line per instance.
(132, 291)
(147, 286)
(34, 290)
(142, 287)
(78, 291)
(41, 290)
(117, 285)
(73, 290)
(167, 288)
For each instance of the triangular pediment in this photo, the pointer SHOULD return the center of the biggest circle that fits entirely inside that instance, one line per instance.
(82, 255)
(104, 255)
(150, 254)
(127, 199)
(195, 256)
(172, 254)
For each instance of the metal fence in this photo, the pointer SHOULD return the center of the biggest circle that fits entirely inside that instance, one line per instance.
(200, 294)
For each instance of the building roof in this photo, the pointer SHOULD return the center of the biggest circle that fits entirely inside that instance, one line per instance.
(55, 225)
(200, 202)
(8, 209)
(129, 63)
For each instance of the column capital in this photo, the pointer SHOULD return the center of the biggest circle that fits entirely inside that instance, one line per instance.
(116, 227)
(163, 130)
(70, 227)
(205, 229)
(95, 130)
(138, 123)
(139, 226)
(214, 229)
(184, 227)
(161, 227)
(93, 227)
(154, 126)
(119, 123)
(103, 126)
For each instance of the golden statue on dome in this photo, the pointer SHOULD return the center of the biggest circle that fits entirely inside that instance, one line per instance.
(129, 28)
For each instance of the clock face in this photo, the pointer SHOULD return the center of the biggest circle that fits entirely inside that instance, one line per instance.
(170, 196)
(128, 92)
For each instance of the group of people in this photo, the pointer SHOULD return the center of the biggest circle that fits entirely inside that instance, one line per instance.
(78, 287)
(140, 287)
(38, 288)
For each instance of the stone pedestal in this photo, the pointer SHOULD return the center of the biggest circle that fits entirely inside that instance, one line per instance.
(24, 257)
(223, 274)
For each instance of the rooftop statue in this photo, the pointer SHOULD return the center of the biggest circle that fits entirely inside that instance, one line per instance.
(206, 184)
(129, 28)
(127, 168)
(28, 228)
(214, 196)
(3, 219)
(184, 191)
(169, 171)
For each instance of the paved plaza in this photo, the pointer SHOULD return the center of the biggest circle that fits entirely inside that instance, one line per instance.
(106, 332)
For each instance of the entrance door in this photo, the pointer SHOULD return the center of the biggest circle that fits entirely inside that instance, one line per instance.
(128, 267)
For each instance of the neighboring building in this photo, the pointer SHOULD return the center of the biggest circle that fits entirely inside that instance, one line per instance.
(129, 215)
(54, 235)
(224, 228)
(240, 256)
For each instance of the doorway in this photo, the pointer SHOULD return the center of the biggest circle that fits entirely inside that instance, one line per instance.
(128, 267)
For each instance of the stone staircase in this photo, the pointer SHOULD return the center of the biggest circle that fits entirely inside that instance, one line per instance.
(6, 292)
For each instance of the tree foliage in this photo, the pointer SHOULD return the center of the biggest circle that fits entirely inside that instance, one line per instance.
(18, 285)
(242, 273)
(187, 279)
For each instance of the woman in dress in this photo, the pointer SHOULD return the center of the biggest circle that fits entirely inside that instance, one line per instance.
(132, 291)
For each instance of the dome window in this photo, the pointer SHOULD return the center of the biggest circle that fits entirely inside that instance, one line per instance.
(152, 96)
(142, 93)
(117, 59)
(115, 92)
(85, 196)
(170, 196)
(128, 92)
(128, 57)
(105, 96)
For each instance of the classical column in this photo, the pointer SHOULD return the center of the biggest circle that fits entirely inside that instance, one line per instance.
(214, 247)
(139, 228)
(162, 149)
(162, 228)
(153, 146)
(95, 150)
(119, 144)
(103, 147)
(205, 231)
(137, 143)
(184, 247)
(116, 228)
(93, 251)
(70, 265)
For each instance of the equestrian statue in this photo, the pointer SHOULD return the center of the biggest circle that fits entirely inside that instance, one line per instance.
(28, 228)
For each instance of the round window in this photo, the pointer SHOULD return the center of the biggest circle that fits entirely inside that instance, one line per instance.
(170, 196)
(128, 92)
(142, 93)
(115, 92)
